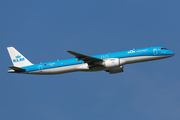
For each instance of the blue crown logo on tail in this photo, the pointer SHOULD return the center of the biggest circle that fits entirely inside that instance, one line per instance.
(18, 59)
(18, 56)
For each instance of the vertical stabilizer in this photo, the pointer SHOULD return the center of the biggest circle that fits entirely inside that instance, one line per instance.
(17, 58)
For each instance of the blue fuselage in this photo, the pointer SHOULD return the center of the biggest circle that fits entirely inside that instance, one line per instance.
(72, 65)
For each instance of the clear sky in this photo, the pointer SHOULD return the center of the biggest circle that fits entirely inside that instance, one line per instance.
(43, 30)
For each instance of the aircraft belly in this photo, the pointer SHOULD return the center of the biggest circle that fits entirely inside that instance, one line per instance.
(95, 69)
(60, 70)
(57, 70)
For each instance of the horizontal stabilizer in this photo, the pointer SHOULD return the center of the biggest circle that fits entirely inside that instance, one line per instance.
(16, 68)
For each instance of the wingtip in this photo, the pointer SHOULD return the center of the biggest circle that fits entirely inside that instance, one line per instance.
(69, 51)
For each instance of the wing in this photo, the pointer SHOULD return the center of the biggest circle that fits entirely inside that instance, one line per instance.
(16, 68)
(85, 58)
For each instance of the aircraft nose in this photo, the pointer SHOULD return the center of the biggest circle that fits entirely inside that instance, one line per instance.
(171, 53)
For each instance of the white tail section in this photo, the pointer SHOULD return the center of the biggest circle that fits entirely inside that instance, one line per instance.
(17, 58)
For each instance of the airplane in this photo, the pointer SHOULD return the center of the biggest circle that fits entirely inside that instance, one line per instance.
(109, 62)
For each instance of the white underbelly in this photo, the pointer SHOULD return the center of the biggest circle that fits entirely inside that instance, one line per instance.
(137, 59)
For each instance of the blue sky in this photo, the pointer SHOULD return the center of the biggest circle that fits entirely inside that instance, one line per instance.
(43, 30)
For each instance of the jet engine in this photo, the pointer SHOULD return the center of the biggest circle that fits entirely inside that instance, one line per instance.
(113, 63)
(115, 70)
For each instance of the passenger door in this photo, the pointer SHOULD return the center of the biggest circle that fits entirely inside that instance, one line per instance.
(155, 52)
(40, 68)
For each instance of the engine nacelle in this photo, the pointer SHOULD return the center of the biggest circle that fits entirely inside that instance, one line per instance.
(111, 63)
(115, 70)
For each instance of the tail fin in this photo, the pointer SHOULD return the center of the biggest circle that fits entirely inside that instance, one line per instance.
(17, 58)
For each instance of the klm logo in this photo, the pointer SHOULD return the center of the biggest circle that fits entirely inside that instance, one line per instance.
(18, 59)
(131, 51)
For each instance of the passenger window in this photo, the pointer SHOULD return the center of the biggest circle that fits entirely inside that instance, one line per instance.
(147, 50)
(113, 55)
(123, 54)
(137, 52)
(64, 63)
(120, 54)
(127, 53)
(61, 63)
(67, 62)
(117, 55)
(110, 56)
(140, 52)
(45, 65)
(58, 64)
(72, 61)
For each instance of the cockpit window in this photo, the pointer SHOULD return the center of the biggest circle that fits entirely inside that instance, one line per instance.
(163, 48)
